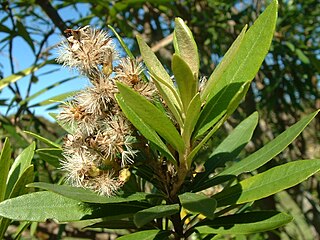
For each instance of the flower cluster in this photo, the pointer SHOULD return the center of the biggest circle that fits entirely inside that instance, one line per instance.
(102, 143)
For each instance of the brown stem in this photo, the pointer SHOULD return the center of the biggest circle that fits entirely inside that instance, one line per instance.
(53, 14)
(178, 226)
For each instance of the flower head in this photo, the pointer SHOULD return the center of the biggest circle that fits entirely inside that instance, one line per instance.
(87, 50)
(129, 71)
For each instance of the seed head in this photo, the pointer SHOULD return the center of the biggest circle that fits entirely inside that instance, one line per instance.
(87, 50)
(129, 71)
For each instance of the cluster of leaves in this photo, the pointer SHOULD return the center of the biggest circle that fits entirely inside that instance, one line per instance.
(177, 210)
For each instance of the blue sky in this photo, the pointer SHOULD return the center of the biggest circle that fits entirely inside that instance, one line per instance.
(48, 75)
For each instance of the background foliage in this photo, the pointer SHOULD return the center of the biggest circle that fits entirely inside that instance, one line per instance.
(286, 88)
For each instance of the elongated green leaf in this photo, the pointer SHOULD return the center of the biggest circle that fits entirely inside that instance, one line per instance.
(54, 99)
(223, 65)
(187, 84)
(152, 116)
(85, 195)
(20, 186)
(147, 235)
(40, 206)
(51, 156)
(185, 46)
(192, 116)
(220, 105)
(17, 76)
(228, 150)
(156, 68)
(44, 140)
(177, 114)
(44, 90)
(246, 62)
(22, 31)
(224, 116)
(122, 43)
(144, 216)
(198, 203)
(5, 161)
(69, 128)
(20, 164)
(245, 223)
(144, 128)
(270, 150)
(269, 182)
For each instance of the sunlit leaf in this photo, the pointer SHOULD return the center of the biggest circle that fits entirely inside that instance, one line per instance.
(144, 128)
(270, 150)
(186, 47)
(269, 182)
(5, 161)
(17, 76)
(85, 195)
(20, 164)
(152, 116)
(198, 203)
(187, 84)
(228, 150)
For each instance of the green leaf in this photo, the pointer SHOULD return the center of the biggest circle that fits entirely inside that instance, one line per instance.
(85, 195)
(17, 76)
(51, 156)
(69, 128)
(222, 66)
(245, 60)
(20, 185)
(44, 140)
(144, 216)
(144, 128)
(198, 203)
(244, 223)
(224, 116)
(152, 116)
(122, 43)
(228, 150)
(40, 206)
(22, 31)
(185, 46)
(192, 116)
(5, 161)
(156, 69)
(147, 235)
(176, 113)
(270, 150)
(187, 84)
(269, 182)
(220, 105)
(54, 99)
(20, 164)
(44, 90)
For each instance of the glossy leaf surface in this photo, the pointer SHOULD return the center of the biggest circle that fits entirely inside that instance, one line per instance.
(198, 203)
(270, 150)
(152, 116)
(85, 195)
(269, 182)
